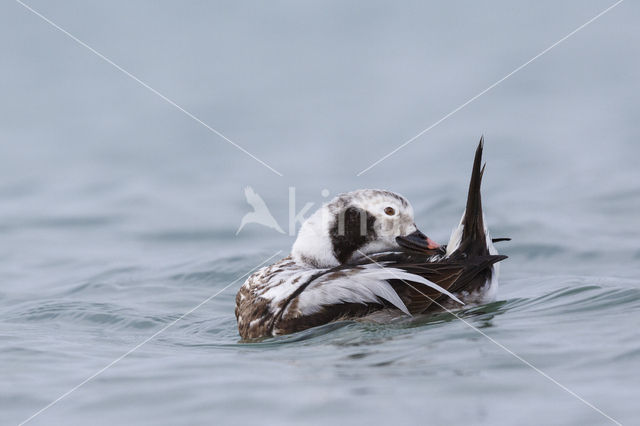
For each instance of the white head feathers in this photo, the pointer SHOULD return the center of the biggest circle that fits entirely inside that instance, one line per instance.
(366, 220)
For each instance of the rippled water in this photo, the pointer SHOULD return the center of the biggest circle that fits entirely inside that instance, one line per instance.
(118, 213)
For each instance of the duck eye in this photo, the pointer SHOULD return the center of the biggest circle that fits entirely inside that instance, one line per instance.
(390, 211)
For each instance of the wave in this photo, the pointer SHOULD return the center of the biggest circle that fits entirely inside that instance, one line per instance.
(82, 313)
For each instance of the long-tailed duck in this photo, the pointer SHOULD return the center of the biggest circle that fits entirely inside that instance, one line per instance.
(362, 253)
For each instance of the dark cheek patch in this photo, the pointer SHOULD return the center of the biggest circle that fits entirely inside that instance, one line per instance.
(352, 229)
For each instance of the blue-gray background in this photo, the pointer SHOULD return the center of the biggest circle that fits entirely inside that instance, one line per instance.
(118, 212)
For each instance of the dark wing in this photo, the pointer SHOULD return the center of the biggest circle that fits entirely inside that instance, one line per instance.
(454, 275)
(350, 291)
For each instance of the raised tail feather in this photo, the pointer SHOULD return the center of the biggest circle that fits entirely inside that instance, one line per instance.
(471, 231)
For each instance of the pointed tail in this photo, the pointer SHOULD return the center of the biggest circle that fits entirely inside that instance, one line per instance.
(470, 237)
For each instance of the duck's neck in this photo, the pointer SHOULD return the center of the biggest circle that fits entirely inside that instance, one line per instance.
(314, 247)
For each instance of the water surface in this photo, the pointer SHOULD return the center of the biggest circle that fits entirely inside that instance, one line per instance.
(118, 213)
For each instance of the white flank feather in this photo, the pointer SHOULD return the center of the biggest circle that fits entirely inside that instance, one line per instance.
(492, 290)
(406, 276)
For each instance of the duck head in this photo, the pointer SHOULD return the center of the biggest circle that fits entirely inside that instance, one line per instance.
(363, 221)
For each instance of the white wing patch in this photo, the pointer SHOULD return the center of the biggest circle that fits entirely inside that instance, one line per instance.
(366, 284)
(456, 237)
